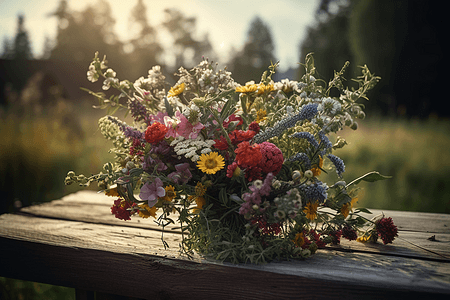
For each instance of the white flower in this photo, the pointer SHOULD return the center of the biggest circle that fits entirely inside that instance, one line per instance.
(92, 75)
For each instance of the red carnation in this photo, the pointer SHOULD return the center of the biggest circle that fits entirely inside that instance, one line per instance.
(248, 155)
(155, 133)
(272, 158)
(221, 143)
(237, 136)
(386, 230)
(254, 126)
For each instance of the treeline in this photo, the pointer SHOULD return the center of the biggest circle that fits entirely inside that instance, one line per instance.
(399, 40)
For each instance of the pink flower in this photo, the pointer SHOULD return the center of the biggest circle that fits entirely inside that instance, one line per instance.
(272, 158)
(186, 129)
(152, 191)
(182, 175)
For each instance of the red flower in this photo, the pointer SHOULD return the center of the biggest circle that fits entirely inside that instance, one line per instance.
(232, 118)
(221, 143)
(349, 233)
(120, 209)
(237, 136)
(272, 158)
(254, 126)
(249, 155)
(386, 230)
(155, 133)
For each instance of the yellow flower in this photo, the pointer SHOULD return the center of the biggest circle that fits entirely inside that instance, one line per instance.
(112, 192)
(176, 90)
(170, 193)
(260, 115)
(363, 239)
(299, 239)
(200, 201)
(248, 88)
(264, 88)
(311, 210)
(147, 211)
(347, 207)
(210, 163)
(316, 170)
(200, 189)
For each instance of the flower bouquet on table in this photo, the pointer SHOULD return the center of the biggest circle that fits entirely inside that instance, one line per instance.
(236, 166)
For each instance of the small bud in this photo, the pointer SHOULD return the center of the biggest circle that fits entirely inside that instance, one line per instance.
(309, 174)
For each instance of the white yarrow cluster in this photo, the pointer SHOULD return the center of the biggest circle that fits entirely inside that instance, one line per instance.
(191, 148)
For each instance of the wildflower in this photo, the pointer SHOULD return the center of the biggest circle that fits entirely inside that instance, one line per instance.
(272, 158)
(308, 136)
(347, 207)
(237, 136)
(112, 192)
(316, 170)
(386, 230)
(338, 163)
(176, 90)
(249, 155)
(155, 133)
(232, 118)
(301, 240)
(152, 191)
(211, 163)
(261, 115)
(254, 127)
(146, 211)
(316, 190)
(363, 239)
(186, 128)
(92, 74)
(170, 193)
(182, 174)
(247, 88)
(311, 210)
(302, 157)
(200, 189)
(120, 209)
(200, 202)
(233, 170)
(349, 233)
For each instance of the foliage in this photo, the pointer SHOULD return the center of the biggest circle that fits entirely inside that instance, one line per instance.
(211, 151)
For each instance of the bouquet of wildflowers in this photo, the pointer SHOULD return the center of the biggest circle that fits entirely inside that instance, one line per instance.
(236, 166)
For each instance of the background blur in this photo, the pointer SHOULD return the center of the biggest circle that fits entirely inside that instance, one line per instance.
(47, 124)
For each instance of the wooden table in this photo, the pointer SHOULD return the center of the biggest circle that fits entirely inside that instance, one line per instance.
(76, 242)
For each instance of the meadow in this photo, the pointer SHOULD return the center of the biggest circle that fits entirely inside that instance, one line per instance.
(39, 147)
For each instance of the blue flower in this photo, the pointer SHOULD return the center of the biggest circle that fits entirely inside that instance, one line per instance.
(338, 163)
(302, 157)
(307, 136)
(307, 113)
(315, 191)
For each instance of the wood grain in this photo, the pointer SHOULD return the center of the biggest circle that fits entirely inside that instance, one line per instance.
(76, 242)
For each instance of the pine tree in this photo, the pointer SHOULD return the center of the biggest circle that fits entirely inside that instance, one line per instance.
(256, 55)
(22, 46)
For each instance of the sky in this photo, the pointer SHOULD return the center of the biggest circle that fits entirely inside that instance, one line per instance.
(226, 21)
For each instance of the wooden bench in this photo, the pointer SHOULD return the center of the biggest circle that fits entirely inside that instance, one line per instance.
(76, 242)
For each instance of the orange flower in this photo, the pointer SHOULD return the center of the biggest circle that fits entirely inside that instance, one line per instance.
(155, 133)
(316, 170)
(311, 210)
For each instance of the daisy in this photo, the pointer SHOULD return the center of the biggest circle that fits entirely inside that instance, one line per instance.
(210, 163)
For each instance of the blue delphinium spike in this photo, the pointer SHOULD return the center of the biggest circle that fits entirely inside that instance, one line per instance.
(338, 163)
(302, 157)
(308, 112)
(307, 136)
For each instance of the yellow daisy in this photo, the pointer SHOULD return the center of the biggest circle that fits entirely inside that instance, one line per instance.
(176, 90)
(210, 163)
(347, 207)
(147, 211)
(200, 201)
(261, 115)
(200, 189)
(299, 239)
(170, 193)
(311, 210)
(248, 88)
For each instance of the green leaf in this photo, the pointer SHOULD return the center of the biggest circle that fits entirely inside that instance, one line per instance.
(369, 177)
(169, 108)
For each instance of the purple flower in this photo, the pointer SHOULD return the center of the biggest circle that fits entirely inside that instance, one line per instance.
(182, 174)
(152, 191)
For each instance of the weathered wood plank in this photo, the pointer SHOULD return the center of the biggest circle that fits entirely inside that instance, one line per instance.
(98, 256)
(415, 227)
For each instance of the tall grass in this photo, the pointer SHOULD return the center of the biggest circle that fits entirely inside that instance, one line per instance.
(37, 150)
(415, 153)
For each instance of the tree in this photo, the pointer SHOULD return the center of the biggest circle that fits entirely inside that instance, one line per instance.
(256, 55)
(187, 50)
(22, 46)
(144, 48)
(7, 49)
